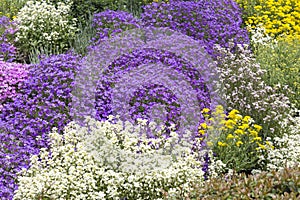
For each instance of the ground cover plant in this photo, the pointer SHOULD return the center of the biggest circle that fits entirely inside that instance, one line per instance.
(149, 99)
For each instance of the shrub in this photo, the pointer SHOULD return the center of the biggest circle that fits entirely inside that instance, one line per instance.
(286, 153)
(10, 8)
(244, 89)
(8, 51)
(234, 139)
(12, 77)
(283, 184)
(44, 104)
(281, 61)
(41, 24)
(109, 160)
(210, 22)
(280, 18)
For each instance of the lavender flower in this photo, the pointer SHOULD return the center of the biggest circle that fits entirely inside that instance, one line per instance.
(25, 122)
(12, 76)
(7, 49)
(209, 21)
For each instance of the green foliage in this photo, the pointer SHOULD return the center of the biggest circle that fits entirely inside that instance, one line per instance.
(282, 64)
(82, 9)
(41, 26)
(10, 8)
(268, 185)
(283, 184)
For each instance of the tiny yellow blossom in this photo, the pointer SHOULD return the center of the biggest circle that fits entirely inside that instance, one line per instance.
(239, 132)
(205, 110)
(201, 132)
(239, 143)
(257, 127)
(222, 144)
(230, 136)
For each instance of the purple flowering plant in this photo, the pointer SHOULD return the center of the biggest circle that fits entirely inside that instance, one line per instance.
(8, 51)
(209, 21)
(25, 122)
(12, 77)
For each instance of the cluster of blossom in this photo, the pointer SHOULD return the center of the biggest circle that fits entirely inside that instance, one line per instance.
(260, 37)
(109, 23)
(7, 49)
(44, 104)
(242, 88)
(127, 64)
(12, 76)
(42, 24)
(141, 102)
(211, 22)
(102, 161)
(286, 153)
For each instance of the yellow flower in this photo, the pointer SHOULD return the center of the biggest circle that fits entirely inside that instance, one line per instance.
(239, 131)
(243, 126)
(253, 133)
(233, 113)
(230, 136)
(239, 143)
(202, 132)
(205, 110)
(257, 139)
(230, 123)
(260, 146)
(257, 127)
(222, 144)
(246, 119)
(203, 125)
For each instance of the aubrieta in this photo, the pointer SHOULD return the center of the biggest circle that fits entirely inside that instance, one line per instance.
(12, 77)
(8, 51)
(211, 22)
(44, 104)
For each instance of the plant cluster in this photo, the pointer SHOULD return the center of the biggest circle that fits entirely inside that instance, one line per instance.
(8, 51)
(142, 100)
(235, 139)
(108, 160)
(243, 88)
(44, 104)
(42, 25)
(281, 60)
(10, 8)
(12, 77)
(280, 18)
(282, 184)
(200, 20)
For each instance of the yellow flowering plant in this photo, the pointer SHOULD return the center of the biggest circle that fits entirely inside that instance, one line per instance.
(234, 138)
(280, 18)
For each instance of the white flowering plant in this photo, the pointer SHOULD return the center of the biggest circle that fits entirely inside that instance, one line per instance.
(112, 160)
(41, 24)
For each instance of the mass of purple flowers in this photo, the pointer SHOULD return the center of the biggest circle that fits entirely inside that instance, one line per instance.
(209, 21)
(7, 49)
(109, 23)
(155, 70)
(12, 76)
(112, 77)
(25, 122)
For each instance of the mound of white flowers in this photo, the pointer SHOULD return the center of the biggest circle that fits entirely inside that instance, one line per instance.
(111, 160)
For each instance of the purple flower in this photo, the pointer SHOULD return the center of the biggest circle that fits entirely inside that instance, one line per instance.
(8, 51)
(43, 103)
(209, 21)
